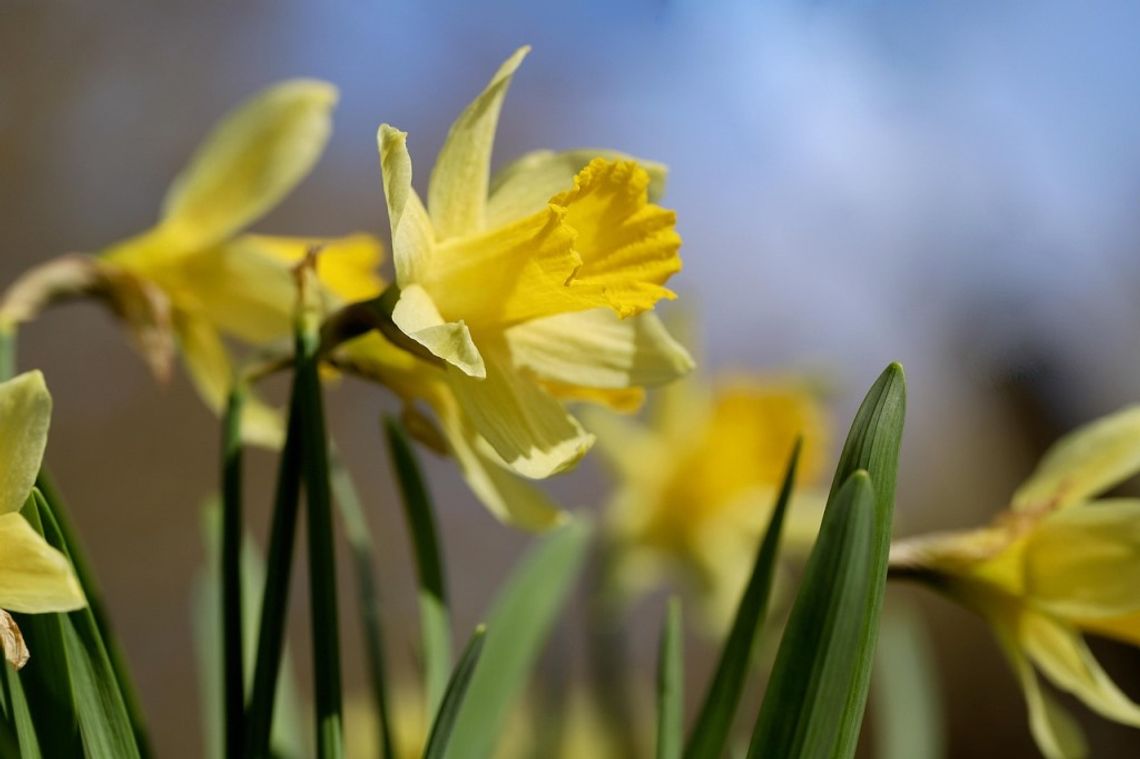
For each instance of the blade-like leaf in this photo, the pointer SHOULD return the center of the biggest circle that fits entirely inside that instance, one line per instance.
(907, 711)
(359, 539)
(286, 738)
(61, 521)
(456, 691)
(671, 685)
(711, 730)
(808, 700)
(27, 744)
(519, 623)
(435, 619)
(322, 552)
(233, 672)
(278, 571)
(873, 444)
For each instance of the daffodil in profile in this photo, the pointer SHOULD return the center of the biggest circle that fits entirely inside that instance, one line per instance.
(1058, 564)
(696, 486)
(195, 276)
(529, 289)
(34, 577)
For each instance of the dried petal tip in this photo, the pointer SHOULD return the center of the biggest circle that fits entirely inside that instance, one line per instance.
(15, 650)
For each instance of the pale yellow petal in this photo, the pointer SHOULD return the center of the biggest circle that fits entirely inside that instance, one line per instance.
(34, 577)
(1060, 652)
(628, 246)
(598, 349)
(1085, 562)
(629, 447)
(624, 400)
(348, 266)
(412, 233)
(212, 371)
(457, 194)
(1085, 462)
(417, 317)
(528, 183)
(526, 427)
(509, 498)
(250, 162)
(1057, 734)
(25, 415)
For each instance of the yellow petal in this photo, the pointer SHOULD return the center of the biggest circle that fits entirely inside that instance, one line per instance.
(250, 162)
(626, 400)
(25, 415)
(509, 498)
(212, 371)
(1058, 650)
(412, 234)
(1085, 462)
(529, 182)
(347, 266)
(526, 427)
(1084, 562)
(417, 317)
(34, 577)
(1056, 733)
(628, 246)
(597, 349)
(457, 193)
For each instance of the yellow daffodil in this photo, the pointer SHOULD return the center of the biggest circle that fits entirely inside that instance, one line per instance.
(193, 277)
(34, 577)
(1056, 565)
(696, 488)
(529, 289)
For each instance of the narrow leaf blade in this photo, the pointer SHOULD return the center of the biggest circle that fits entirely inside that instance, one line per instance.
(671, 685)
(440, 736)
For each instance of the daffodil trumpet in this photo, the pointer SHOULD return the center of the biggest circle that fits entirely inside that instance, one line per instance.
(1058, 564)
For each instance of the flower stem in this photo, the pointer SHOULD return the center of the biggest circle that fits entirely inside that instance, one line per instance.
(233, 677)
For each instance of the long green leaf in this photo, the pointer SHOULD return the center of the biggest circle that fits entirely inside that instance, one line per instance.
(440, 736)
(287, 737)
(873, 444)
(28, 745)
(719, 708)
(671, 685)
(435, 618)
(517, 627)
(233, 672)
(808, 701)
(359, 539)
(95, 604)
(274, 599)
(100, 709)
(323, 608)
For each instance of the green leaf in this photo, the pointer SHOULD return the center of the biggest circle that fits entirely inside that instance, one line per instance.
(233, 672)
(441, 730)
(671, 685)
(323, 607)
(359, 539)
(27, 744)
(907, 709)
(286, 737)
(517, 627)
(68, 536)
(278, 571)
(809, 696)
(719, 707)
(97, 704)
(435, 618)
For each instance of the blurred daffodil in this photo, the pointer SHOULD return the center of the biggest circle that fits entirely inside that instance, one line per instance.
(1056, 565)
(529, 289)
(696, 487)
(194, 277)
(34, 577)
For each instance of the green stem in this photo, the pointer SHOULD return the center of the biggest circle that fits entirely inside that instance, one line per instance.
(271, 627)
(7, 351)
(322, 551)
(231, 611)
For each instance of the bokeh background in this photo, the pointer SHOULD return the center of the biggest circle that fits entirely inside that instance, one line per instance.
(951, 185)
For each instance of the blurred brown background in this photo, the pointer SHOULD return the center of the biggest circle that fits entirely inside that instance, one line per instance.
(856, 182)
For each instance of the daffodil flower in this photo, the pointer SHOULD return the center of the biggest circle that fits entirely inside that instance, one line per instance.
(1056, 565)
(34, 577)
(194, 277)
(530, 289)
(695, 488)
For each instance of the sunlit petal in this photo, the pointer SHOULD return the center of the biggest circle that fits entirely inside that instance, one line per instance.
(34, 577)
(25, 415)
